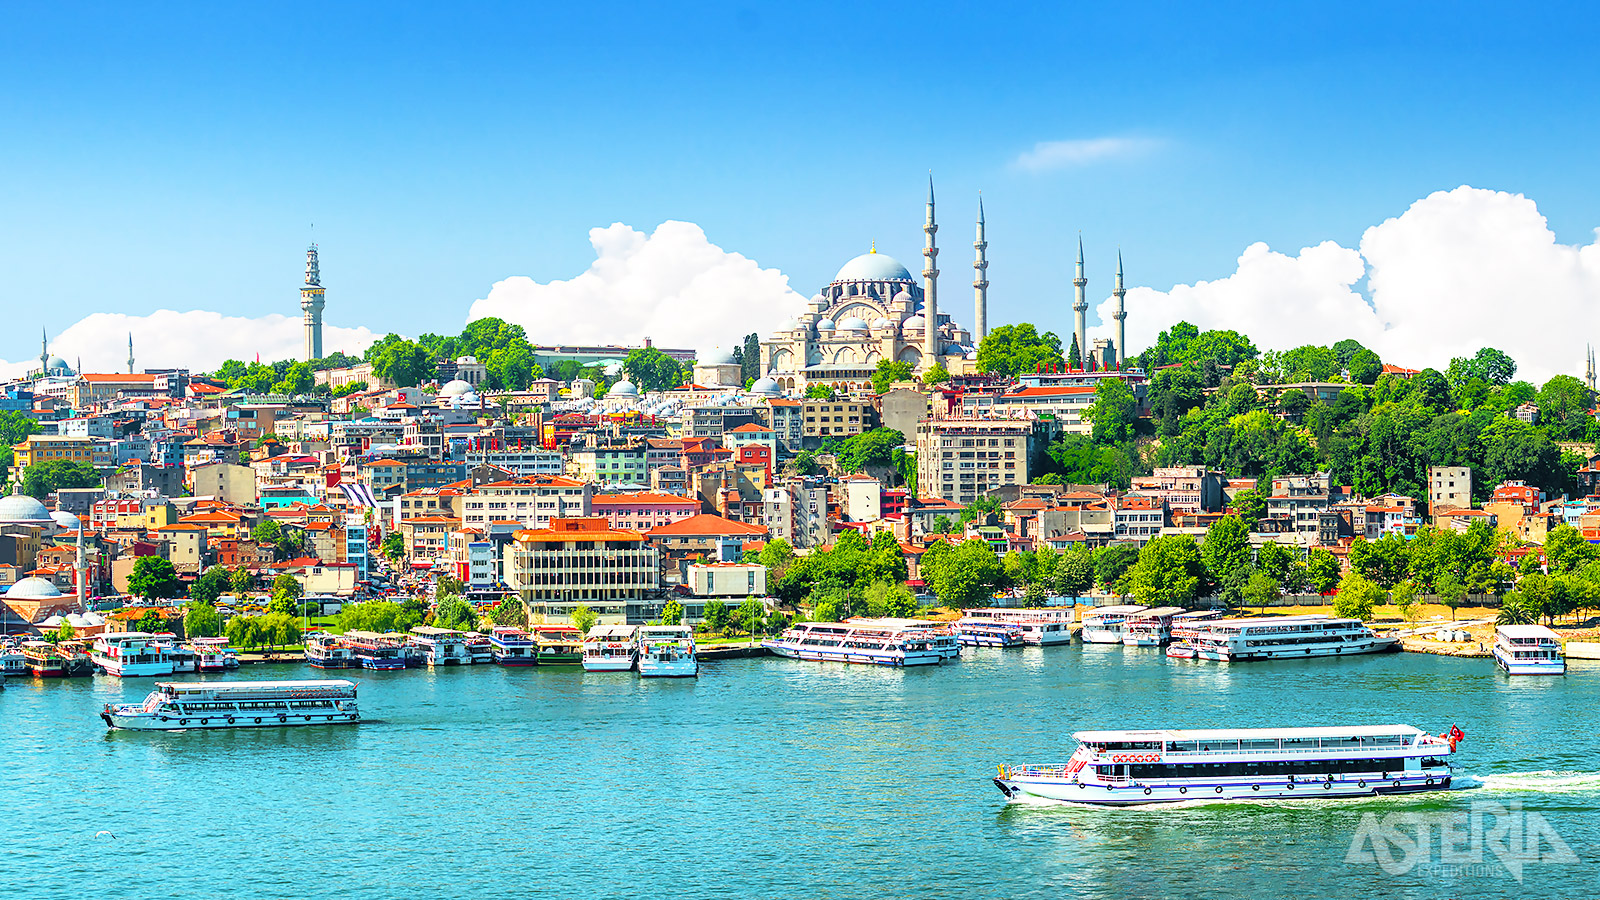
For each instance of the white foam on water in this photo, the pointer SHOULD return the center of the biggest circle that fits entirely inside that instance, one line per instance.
(1550, 782)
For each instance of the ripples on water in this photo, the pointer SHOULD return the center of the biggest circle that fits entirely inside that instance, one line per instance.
(763, 778)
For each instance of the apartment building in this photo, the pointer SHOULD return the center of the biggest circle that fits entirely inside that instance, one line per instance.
(583, 561)
(535, 501)
(961, 460)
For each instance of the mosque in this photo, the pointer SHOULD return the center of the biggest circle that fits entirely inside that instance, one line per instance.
(874, 310)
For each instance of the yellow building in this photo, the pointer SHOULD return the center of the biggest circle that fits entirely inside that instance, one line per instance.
(41, 448)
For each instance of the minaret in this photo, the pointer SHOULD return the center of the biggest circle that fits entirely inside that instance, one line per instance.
(1080, 306)
(130, 353)
(44, 353)
(311, 302)
(930, 288)
(1121, 314)
(79, 567)
(980, 284)
(1589, 373)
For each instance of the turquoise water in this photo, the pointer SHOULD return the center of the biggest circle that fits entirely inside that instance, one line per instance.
(767, 777)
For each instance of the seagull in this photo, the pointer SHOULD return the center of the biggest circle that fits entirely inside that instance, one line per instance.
(105, 834)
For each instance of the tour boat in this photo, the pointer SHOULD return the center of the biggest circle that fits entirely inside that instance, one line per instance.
(384, 652)
(1124, 768)
(1151, 628)
(212, 654)
(1105, 625)
(13, 662)
(1285, 637)
(611, 648)
(975, 633)
(879, 642)
(1041, 627)
(1528, 650)
(513, 646)
(667, 651)
(440, 646)
(480, 650)
(328, 651)
(559, 645)
(132, 653)
(176, 705)
(45, 660)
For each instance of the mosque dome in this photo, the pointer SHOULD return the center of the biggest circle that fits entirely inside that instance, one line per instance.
(881, 322)
(20, 509)
(915, 323)
(623, 388)
(853, 323)
(466, 360)
(818, 301)
(902, 296)
(33, 588)
(873, 267)
(825, 325)
(55, 365)
(455, 388)
(716, 356)
(66, 521)
(766, 386)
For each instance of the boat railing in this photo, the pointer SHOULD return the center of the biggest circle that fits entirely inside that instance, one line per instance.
(1119, 758)
(1033, 771)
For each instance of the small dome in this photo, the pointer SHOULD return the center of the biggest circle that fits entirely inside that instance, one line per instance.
(915, 323)
(33, 588)
(766, 386)
(853, 323)
(873, 266)
(466, 361)
(818, 301)
(902, 296)
(716, 356)
(881, 322)
(623, 388)
(455, 388)
(55, 365)
(67, 521)
(24, 510)
(825, 325)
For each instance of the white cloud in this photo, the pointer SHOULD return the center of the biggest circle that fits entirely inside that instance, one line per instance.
(673, 286)
(198, 339)
(1050, 155)
(1459, 270)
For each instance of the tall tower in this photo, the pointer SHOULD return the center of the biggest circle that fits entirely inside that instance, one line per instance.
(44, 353)
(1121, 315)
(130, 353)
(1589, 374)
(980, 283)
(311, 302)
(930, 288)
(1080, 306)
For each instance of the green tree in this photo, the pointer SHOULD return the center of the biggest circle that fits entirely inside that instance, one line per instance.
(1489, 365)
(211, 584)
(752, 615)
(244, 632)
(651, 370)
(936, 374)
(874, 447)
(455, 613)
(1113, 411)
(42, 479)
(1322, 570)
(378, 615)
(268, 532)
(241, 580)
(1074, 355)
(1169, 572)
(821, 392)
(393, 547)
(1564, 407)
(1226, 553)
(1565, 550)
(150, 621)
(509, 612)
(889, 372)
(1274, 560)
(1074, 572)
(943, 525)
(715, 617)
(1365, 367)
(154, 578)
(297, 379)
(276, 629)
(405, 363)
(1450, 591)
(1260, 590)
(1112, 561)
(1250, 505)
(511, 368)
(1514, 610)
(1385, 561)
(584, 618)
(63, 632)
(1357, 597)
(968, 577)
(1017, 349)
(201, 619)
(286, 594)
(672, 613)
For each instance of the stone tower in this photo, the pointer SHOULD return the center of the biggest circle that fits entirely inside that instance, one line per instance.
(1120, 349)
(980, 283)
(930, 288)
(311, 302)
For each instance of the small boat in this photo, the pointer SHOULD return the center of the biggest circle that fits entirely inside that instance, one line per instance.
(1104, 625)
(1128, 768)
(480, 650)
(879, 642)
(1151, 628)
(1182, 649)
(611, 648)
(212, 654)
(380, 652)
(559, 645)
(440, 646)
(513, 646)
(1528, 650)
(667, 651)
(13, 662)
(176, 705)
(1044, 627)
(979, 633)
(132, 653)
(328, 651)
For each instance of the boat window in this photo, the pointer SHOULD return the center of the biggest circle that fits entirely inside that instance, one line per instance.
(1299, 743)
(1184, 746)
(1259, 745)
(1218, 745)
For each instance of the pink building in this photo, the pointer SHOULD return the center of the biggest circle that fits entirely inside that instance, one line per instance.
(643, 510)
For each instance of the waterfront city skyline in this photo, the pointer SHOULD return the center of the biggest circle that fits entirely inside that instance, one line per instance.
(438, 159)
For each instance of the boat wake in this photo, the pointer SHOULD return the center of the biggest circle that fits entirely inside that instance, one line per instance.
(1549, 782)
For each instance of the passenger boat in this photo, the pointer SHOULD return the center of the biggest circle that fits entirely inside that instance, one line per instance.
(212, 654)
(1283, 637)
(1125, 768)
(1151, 628)
(45, 660)
(132, 653)
(480, 650)
(382, 652)
(1104, 625)
(1528, 650)
(440, 646)
(328, 651)
(976, 633)
(559, 645)
(12, 662)
(611, 648)
(176, 705)
(879, 642)
(1042, 627)
(513, 646)
(667, 651)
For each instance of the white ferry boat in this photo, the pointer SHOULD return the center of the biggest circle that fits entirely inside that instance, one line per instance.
(212, 654)
(382, 652)
(132, 653)
(1105, 624)
(1281, 637)
(611, 648)
(440, 646)
(13, 662)
(1124, 768)
(667, 651)
(1040, 627)
(879, 642)
(978, 633)
(1528, 650)
(1151, 628)
(328, 651)
(513, 646)
(175, 705)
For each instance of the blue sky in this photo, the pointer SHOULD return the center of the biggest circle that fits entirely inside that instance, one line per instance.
(174, 157)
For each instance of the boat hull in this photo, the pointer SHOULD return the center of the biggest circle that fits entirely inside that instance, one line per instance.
(515, 662)
(867, 658)
(1511, 666)
(1102, 635)
(677, 668)
(169, 723)
(117, 667)
(608, 665)
(1140, 795)
(1381, 645)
